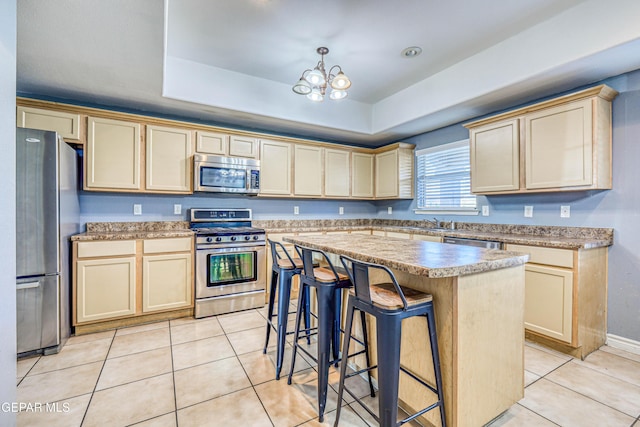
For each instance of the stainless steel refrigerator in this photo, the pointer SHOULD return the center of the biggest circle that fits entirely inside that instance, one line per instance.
(47, 214)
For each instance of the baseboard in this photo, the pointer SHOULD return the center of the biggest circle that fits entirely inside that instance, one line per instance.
(622, 343)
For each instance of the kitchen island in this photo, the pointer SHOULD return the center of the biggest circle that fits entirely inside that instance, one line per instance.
(478, 297)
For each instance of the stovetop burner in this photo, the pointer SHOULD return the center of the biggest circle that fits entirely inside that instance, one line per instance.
(227, 227)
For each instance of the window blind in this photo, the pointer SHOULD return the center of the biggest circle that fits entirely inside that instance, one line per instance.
(444, 177)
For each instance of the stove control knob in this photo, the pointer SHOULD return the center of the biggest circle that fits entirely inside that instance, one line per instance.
(256, 237)
(247, 237)
(233, 238)
(209, 239)
(218, 239)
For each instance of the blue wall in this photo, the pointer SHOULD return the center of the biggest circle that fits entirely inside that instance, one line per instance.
(618, 208)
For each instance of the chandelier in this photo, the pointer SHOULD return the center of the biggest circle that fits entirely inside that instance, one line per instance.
(313, 83)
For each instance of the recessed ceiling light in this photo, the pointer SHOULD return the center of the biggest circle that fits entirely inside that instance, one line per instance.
(411, 52)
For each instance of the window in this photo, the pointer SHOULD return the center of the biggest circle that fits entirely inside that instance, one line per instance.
(444, 178)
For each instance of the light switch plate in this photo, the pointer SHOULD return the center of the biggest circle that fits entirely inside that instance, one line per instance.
(565, 211)
(341, 210)
(296, 210)
(390, 210)
(177, 209)
(528, 211)
(485, 210)
(137, 209)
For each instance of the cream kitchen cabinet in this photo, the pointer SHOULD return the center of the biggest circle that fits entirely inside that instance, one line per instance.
(169, 160)
(124, 282)
(243, 146)
(105, 280)
(308, 170)
(362, 175)
(394, 173)
(112, 155)
(563, 144)
(495, 157)
(212, 143)
(167, 281)
(68, 125)
(337, 173)
(427, 238)
(275, 168)
(565, 297)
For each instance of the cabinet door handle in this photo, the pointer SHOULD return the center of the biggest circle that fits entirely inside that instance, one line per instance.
(27, 285)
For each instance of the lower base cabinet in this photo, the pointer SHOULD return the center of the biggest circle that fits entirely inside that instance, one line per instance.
(565, 298)
(105, 288)
(124, 279)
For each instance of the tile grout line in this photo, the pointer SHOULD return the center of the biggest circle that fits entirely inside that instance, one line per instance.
(173, 376)
(86, 411)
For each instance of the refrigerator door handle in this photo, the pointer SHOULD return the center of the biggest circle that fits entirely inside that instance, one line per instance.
(27, 285)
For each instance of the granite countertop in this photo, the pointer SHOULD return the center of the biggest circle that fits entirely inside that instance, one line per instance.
(546, 236)
(416, 257)
(134, 230)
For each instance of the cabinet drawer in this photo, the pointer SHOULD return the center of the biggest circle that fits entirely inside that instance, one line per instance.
(154, 246)
(106, 248)
(549, 256)
(398, 235)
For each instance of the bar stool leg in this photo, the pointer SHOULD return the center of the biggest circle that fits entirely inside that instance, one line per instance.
(325, 324)
(345, 352)
(335, 333)
(436, 361)
(284, 287)
(272, 299)
(365, 340)
(307, 312)
(304, 289)
(388, 345)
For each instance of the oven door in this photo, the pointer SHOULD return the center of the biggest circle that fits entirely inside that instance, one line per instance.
(232, 270)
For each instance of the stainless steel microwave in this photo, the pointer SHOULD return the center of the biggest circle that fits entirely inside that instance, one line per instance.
(226, 174)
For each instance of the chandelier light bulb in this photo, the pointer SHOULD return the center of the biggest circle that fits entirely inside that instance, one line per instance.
(302, 87)
(338, 94)
(316, 77)
(341, 82)
(315, 95)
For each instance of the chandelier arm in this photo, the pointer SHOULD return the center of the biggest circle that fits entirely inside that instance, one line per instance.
(331, 75)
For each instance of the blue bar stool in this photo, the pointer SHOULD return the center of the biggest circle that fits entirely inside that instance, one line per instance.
(328, 282)
(284, 267)
(389, 303)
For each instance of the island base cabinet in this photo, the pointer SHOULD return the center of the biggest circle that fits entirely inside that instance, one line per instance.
(105, 288)
(482, 371)
(166, 282)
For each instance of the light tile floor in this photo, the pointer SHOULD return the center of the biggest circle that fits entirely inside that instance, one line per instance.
(211, 372)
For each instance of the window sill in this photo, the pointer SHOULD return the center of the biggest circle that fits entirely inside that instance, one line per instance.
(446, 211)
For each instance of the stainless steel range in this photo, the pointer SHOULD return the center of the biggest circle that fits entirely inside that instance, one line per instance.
(230, 261)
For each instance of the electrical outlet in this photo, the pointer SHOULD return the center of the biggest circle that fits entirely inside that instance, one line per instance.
(485, 210)
(177, 209)
(528, 211)
(565, 211)
(390, 210)
(137, 209)
(296, 210)
(341, 210)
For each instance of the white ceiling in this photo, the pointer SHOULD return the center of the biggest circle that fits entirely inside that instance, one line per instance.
(234, 61)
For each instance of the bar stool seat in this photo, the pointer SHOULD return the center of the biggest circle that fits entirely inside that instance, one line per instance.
(389, 304)
(283, 269)
(328, 282)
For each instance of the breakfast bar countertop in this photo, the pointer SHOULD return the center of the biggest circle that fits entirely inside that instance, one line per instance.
(416, 257)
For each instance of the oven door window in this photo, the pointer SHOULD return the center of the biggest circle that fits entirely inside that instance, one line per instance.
(229, 268)
(221, 177)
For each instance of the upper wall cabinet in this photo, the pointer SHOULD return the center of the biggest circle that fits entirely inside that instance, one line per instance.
(275, 168)
(66, 124)
(112, 155)
(563, 144)
(169, 161)
(337, 173)
(394, 173)
(212, 143)
(362, 175)
(308, 171)
(243, 146)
